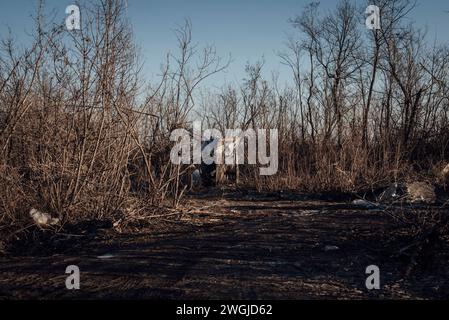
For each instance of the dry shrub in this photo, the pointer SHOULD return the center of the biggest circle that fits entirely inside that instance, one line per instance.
(82, 134)
(77, 137)
(13, 197)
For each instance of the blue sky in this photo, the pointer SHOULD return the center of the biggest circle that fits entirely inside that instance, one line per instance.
(248, 29)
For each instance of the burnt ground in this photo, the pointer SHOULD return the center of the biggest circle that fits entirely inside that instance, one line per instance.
(232, 247)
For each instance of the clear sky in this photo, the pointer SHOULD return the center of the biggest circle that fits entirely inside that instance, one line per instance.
(248, 29)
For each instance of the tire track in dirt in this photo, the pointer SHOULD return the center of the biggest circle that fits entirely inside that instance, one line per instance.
(225, 249)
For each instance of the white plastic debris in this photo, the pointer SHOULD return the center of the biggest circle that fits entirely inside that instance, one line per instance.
(43, 219)
(390, 193)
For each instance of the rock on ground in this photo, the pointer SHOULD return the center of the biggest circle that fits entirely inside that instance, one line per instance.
(421, 192)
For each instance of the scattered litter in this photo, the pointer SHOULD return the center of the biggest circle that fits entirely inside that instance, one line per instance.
(391, 193)
(331, 248)
(43, 219)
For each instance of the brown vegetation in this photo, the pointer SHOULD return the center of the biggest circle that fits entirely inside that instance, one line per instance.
(78, 136)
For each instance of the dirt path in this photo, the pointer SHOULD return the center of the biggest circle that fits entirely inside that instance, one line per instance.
(232, 249)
